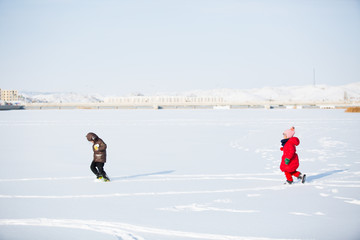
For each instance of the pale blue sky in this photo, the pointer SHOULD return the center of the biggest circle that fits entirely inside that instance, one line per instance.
(126, 46)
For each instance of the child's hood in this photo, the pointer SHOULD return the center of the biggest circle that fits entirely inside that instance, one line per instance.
(294, 140)
(91, 136)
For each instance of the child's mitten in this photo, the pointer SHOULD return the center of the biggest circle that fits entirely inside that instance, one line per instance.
(287, 161)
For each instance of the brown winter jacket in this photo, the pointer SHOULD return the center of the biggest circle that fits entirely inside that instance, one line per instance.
(100, 152)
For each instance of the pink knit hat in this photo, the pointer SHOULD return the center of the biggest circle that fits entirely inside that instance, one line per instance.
(289, 132)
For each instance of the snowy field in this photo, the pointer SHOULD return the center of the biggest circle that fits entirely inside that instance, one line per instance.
(178, 175)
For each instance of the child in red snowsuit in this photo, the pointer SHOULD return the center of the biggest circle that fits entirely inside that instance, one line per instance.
(290, 160)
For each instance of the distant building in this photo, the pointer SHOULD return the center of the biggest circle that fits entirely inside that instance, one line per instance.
(163, 100)
(9, 95)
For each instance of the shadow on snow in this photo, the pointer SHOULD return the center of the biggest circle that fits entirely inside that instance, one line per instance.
(142, 175)
(322, 175)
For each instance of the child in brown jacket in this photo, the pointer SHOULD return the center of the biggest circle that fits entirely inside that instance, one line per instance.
(99, 148)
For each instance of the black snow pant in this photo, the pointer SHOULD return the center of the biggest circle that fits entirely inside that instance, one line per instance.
(98, 169)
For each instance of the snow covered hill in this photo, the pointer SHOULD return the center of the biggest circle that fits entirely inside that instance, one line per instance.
(61, 97)
(319, 93)
(350, 92)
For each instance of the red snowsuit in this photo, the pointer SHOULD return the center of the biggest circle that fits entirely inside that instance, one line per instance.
(289, 152)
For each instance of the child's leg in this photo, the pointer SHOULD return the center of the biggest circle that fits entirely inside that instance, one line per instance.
(288, 176)
(296, 174)
(100, 167)
(93, 168)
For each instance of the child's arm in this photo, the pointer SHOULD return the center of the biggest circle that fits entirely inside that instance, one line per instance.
(289, 152)
(102, 146)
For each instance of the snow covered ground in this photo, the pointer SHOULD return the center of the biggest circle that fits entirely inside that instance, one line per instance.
(178, 175)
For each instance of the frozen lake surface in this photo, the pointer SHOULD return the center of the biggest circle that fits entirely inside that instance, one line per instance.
(178, 175)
